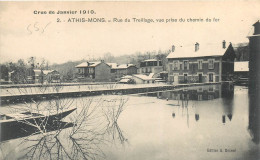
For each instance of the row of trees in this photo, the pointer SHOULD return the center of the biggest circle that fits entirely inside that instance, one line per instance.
(17, 71)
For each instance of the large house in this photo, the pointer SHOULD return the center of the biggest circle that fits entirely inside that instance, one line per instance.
(150, 66)
(118, 71)
(94, 72)
(209, 63)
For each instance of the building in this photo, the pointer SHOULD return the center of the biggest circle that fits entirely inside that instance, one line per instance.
(241, 51)
(43, 76)
(150, 66)
(199, 64)
(51, 76)
(143, 79)
(37, 76)
(94, 72)
(118, 71)
(254, 56)
(241, 71)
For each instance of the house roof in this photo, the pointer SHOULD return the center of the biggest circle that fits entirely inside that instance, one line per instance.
(241, 66)
(88, 64)
(112, 65)
(126, 77)
(47, 71)
(150, 60)
(204, 51)
(235, 46)
(121, 66)
(143, 77)
(84, 64)
(125, 80)
(37, 71)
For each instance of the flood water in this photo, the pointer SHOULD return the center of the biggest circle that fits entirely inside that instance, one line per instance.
(206, 122)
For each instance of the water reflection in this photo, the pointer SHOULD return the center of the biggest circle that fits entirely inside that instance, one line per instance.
(197, 117)
(80, 135)
(254, 113)
(200, 93)
(181, 98)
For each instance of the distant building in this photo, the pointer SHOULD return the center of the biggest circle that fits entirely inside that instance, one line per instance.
(37, 75)
(43, 76)
(199, 64)
(150, 66)
(118, 71)
(241, 51)
(51, 76)
(94, 72)
(143, 79)
(241, 69)
(127, 80)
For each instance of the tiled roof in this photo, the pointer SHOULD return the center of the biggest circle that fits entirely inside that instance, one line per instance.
(241, 66)
(204, 51)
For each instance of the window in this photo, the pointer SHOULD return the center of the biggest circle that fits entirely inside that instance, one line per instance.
(170, 67)
(185, 78)
(211, 64)
(91, 70)
(186, 65)
(80, 70)
(175, 65)
(200, 64)
(211, 77)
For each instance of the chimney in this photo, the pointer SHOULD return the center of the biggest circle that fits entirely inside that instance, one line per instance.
(224, 44)
(197, 45)
(173, 48)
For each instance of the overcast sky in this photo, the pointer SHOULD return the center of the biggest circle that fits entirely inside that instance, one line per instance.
(24, 34)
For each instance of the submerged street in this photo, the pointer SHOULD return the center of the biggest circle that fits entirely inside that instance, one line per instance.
(188, 123)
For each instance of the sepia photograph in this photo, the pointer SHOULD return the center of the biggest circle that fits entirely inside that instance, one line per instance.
(130, 80)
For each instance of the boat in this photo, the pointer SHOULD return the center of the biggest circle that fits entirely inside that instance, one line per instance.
(27, 123)
(32, 118)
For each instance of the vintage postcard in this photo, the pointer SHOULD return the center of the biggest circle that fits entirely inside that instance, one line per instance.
(130, 80)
